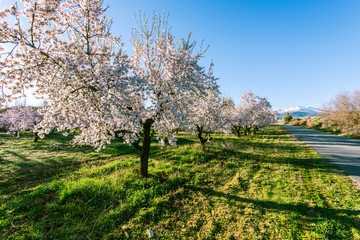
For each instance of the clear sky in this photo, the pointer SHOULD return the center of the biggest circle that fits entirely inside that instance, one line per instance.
(294, 52)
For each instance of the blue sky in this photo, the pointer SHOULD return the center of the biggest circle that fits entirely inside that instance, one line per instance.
(298, 52)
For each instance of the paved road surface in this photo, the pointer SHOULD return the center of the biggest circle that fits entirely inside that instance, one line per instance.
(342, 151)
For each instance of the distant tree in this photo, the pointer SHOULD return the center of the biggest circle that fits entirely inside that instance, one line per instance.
(4, 123)
(227, 114)
(240, 119)
(19, 119)
(253, 112)
(207, 115)
(342, 113)
(264, 117)
(287, 118)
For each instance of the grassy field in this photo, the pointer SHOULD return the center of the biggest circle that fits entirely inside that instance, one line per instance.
(255, 187)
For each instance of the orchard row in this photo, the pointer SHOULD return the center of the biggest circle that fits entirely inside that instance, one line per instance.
(66, 52)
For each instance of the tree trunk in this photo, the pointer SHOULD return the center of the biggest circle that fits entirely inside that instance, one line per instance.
(144, 153)
(237, 131)
(17, 134)
(203, 149)
(202, 140)
(246, 131)
(36, 137)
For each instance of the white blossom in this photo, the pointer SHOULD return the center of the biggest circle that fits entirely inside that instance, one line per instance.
(253, 112)
(66, 51)
(18, 119)
(207, 113)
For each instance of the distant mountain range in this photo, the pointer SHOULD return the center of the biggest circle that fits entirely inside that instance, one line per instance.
(297, 111)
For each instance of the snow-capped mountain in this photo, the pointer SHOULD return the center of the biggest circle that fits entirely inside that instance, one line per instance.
(298, 111)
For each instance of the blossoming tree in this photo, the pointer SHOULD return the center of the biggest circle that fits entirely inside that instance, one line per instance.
(207, 114)
(169, 75)
(19, 119)
(66, 51)
(253, 112)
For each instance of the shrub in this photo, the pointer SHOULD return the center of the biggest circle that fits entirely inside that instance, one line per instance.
(343, 113)
(287, 118)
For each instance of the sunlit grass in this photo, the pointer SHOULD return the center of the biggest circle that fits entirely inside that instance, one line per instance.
(255, 187)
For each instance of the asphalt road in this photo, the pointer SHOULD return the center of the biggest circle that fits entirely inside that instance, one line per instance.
(342, 151)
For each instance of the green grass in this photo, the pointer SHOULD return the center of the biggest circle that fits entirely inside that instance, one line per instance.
(255, 187)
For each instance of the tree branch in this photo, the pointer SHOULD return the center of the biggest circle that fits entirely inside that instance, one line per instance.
(137, 146)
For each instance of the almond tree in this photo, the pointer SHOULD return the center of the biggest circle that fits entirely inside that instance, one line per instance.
(264, 117)
(253, 112)
(240, 119)
(66, 51)
(207, 115)
(4, 123)
(169, 75)
(19, 119)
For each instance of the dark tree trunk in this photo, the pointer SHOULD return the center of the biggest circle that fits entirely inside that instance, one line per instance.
(145, 148)
(144, 162)
(255, 129)
(36, 137)
(144, 159)
(202, 140)
(246, 131)
(237, 131)
(203, 149)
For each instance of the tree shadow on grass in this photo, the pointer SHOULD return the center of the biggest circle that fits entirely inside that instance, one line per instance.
(219, 154)
(221, 151)
(105, 210)
(119, 149)
(242, 144)
(26, 173)
(180, 141)
(28, 166)
(346, 217)
(92, 214)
